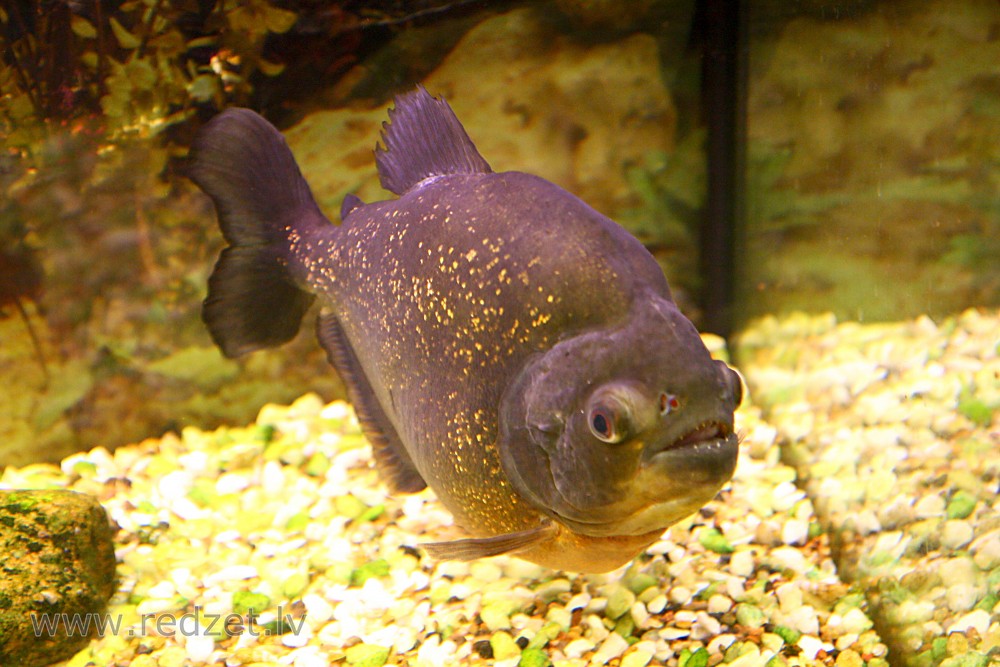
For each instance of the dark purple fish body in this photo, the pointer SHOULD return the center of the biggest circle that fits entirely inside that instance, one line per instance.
(502, 342)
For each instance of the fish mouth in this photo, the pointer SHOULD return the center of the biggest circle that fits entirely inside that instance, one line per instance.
(705, 433)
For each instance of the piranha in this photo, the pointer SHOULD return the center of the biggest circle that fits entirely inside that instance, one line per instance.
(502, 342)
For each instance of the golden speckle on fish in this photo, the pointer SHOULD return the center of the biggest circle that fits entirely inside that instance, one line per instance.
(502, 342)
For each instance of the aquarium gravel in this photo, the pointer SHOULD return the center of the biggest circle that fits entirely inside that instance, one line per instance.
(893, 430)
(288, 518)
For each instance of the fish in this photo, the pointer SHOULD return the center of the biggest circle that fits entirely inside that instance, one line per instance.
(501, 341)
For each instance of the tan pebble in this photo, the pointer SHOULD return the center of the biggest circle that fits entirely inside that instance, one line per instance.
(929, 506)
(849, 658)
(956, 534)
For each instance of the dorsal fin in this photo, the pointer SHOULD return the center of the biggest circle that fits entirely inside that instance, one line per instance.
(424, 138)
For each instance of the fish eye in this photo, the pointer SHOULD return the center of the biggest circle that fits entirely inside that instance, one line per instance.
(668, 403)
(605, 424)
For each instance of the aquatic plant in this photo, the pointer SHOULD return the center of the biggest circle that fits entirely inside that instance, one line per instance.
(142, 65)
(671, 188)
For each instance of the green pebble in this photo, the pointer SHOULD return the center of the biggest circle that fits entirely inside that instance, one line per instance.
(790, 635)
(749, 616)
(777, 661)
(988, 602)
(970, 659)
(533, 657)
(295, 585)
(641, 582)
(265, 433)
(367, 655)
(961, 505)
(625, 627)
(84, 468)
(297, 522)
(939, 648)
(496, 615)
(244, 601)
(203, 494)
(541, 639)
(372, 513)
(376, 568)
(698, 658)
(504, 646)
(349, 506)
(715, 541)
(976, 411)
(317, 465)
(620, 601)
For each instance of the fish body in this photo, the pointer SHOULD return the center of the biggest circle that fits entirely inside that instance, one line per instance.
(502, 342)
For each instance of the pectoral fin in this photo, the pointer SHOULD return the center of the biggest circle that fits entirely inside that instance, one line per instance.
(483, 547)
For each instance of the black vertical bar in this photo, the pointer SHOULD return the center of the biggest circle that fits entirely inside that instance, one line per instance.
(723, 71)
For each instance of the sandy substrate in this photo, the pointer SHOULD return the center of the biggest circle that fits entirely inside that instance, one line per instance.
(287, 517)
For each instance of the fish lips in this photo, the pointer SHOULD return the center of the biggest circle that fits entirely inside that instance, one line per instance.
(675, 479)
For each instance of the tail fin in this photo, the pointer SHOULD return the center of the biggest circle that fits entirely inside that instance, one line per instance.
(243, 163)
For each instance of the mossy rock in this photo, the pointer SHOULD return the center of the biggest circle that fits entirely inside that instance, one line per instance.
(58, 563)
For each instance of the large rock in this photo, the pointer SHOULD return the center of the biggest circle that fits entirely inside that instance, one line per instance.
(58, 563)
(533, 99)
(871, 140)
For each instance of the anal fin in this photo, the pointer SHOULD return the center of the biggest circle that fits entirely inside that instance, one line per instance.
(483, 547)
(391, 458)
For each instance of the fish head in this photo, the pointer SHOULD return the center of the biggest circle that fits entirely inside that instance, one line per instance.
(624, 430)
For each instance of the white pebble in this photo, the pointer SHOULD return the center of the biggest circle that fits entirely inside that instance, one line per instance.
(164, 589)
(657, 604)
(811, 646)
(705, 626)
(720, 643)
(961, 597)
(978, 620)
(309, 656)
(986, 550)
(742, 563)
(612, 647)
(578, 647)
(855, 621)
(680, 595)
(639, 614)
(198, 647)
(297, 639)
(318, 610)
(795, 532)
(789, 597)
(789, 558)
(231, 573)
(719, 604)
(597, 630)
(804, 620)
(231, 482)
